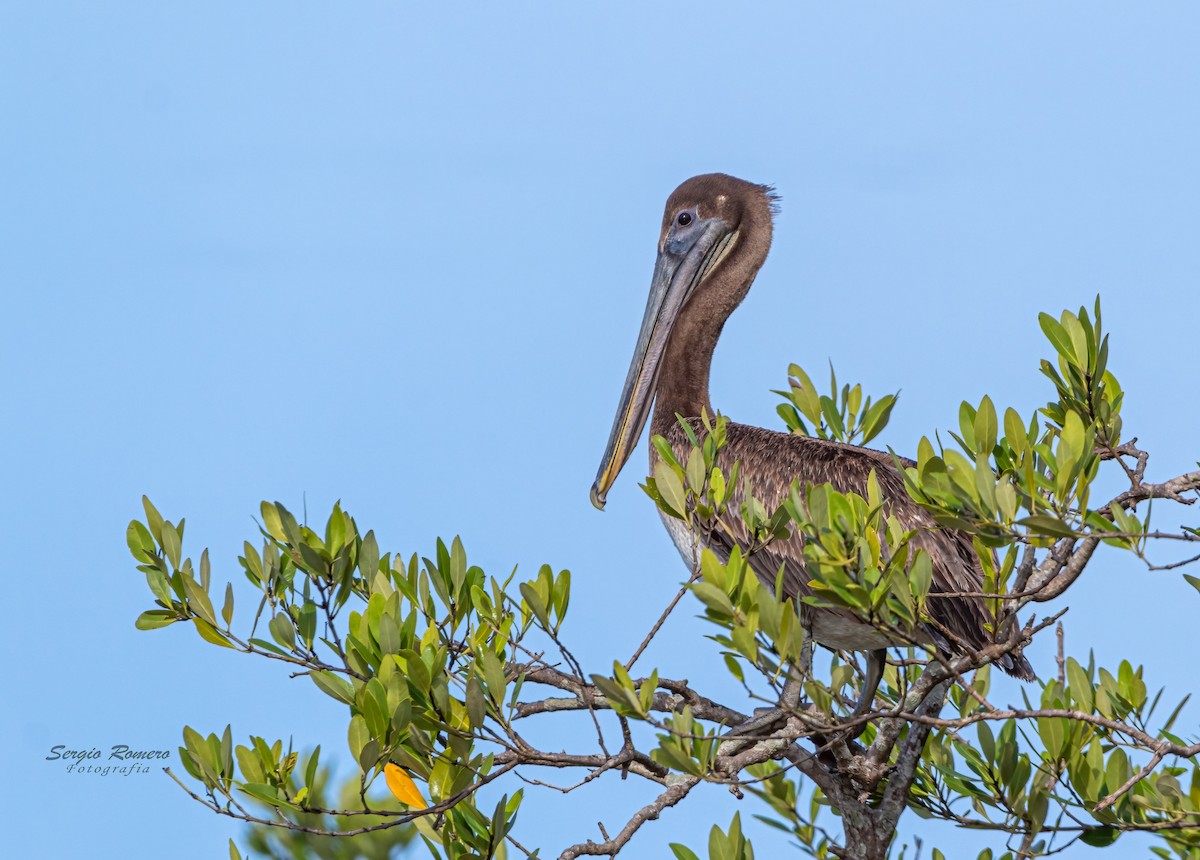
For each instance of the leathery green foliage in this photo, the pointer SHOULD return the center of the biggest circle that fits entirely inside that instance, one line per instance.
(415, 648)
(436, 663)
(281, 843)
(1061, 767)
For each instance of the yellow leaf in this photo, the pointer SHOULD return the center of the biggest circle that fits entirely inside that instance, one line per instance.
(402, 786)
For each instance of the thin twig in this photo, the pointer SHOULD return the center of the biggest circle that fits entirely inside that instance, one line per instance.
(1062, 663)
(1131, 782)
(659, 623)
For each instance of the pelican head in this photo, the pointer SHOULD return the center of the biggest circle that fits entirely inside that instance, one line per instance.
(716, 232)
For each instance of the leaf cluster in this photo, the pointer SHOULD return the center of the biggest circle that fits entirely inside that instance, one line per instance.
(843, 415)
(417, 649)
(433, 661)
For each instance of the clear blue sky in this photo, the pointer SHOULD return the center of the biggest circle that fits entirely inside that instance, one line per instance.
(397, 254)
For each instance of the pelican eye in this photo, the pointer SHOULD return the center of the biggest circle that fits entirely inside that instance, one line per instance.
(683, 219)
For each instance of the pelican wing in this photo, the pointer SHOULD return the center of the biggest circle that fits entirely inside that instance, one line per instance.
(772, 460)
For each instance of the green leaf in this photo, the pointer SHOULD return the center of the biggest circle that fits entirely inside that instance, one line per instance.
(198, 600)
(1175, 713)
(1079, 340)
(562, 594)
(140, 541)
(209, 633)
(307, 622)
(735, 668)
(227, 608)
(833, 418)
(668, 755)
(493, 673)
(268, 794)
(357, 737)
(717, 484)
(1014, 431)
(368, 556)
(667, 453)
(282, 629)
(695, 469)
(153, 519)
(536, 604)
(269, 646)
(172, 545)
(157, 580)
(646, 692)
(1056, 334)
(1079, 686)
(1099, 837)
(476, 706)
(1045, 524)
(1116, 771)
(272, 522)
(987, 741)
(876, 418)
(1053, 733)
(985, 426)
(154, 619)
(921, 575)
(712, 597)
(670, 487)
(682, 852)
(334, 685)
(804, 394)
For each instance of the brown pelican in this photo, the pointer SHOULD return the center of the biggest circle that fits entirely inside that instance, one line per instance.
(716, 232)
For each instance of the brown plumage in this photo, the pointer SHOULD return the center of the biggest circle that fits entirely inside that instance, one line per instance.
(716, 233)
(775, 459)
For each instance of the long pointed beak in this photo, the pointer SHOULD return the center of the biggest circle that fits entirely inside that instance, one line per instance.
(681, 265)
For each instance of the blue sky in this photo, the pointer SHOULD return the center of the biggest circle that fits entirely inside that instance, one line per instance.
(397, 255)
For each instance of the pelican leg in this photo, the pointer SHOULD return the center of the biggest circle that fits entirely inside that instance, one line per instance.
(798, 673)
(806, 653)
(876, 660)
(792, 694)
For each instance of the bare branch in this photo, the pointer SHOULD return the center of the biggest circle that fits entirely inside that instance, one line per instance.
(649, 812)
(901, 778)
(1061, 658)
(1131, 782)
(661, 620)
